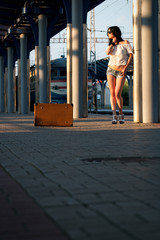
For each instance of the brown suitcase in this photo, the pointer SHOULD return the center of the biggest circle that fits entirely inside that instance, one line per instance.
(50, 114)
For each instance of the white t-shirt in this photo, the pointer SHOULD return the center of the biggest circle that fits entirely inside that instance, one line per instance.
(120, 54)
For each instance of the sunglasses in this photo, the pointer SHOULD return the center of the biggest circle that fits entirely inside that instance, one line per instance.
(109, 32)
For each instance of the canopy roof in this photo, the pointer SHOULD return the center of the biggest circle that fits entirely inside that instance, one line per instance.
(13, 20)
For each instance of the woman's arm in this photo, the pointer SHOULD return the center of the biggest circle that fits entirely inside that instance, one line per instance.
(127, 64)
(109, 49)
(129, 60)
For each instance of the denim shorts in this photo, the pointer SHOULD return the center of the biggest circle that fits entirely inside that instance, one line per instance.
(113, 72)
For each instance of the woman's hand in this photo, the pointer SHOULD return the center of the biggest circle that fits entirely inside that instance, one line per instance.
(109, 49)
(123, 72)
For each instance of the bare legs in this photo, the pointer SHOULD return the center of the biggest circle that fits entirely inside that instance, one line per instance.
(118, 91)
(112, 84)
(116, 86)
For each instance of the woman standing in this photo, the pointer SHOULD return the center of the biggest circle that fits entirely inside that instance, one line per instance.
(121, 55)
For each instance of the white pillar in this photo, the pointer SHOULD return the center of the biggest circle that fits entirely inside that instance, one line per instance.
(48, 75)
(69, 63)
(36, 74)
(23, 57)
(14, 89)
(42, 23)
(137, 77)
(77, 58)
(150, 60)
(1, 84)
(130, 92)
(19, 85)
(159, 53)
(102, 94)
(85, 72)
(28, 85)
(6, 89)
(10, 80)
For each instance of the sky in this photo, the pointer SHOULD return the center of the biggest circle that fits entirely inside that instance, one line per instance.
(112, 13)
(109, 13)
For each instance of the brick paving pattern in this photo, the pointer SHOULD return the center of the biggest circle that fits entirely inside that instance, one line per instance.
(20, 217)
(96, 181)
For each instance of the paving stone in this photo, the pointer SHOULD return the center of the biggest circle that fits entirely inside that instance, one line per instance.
(144, 230)
(150, 215)
(85, 178)
(20, 217)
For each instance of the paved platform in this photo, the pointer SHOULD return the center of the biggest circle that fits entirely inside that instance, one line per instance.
(92, 181)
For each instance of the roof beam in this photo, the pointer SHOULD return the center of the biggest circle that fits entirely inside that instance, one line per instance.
(3, 27)
(6, 5)
(8, 14)
(6, 21)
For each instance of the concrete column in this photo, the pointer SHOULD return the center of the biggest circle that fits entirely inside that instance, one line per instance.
(102, 94)
(69, 63)
(10, 80)
(42, 24)
(36, 74)
(150, 60)
(19, 86)
(130, 92)
(14, 89)
(137, 78)
(28, 85)
(85, 72)
(23, 57)
(1, 84)
(159, 54)
(6, 89)
(77, 58)
(48, 75)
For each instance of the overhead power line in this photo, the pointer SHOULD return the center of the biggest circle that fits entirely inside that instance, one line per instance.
(97, 40)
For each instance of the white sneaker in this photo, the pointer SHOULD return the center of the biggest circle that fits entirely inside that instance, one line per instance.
(121, 119)
(114, 120)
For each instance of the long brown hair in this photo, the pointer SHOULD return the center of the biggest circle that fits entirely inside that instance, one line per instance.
(116, 32)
